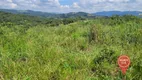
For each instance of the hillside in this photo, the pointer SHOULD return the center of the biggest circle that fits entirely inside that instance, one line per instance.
(81, 50)
(50, 15)
(73, 14)
(121, 13)
(21, 19)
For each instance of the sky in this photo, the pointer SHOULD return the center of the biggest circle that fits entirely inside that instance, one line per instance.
(65, 6)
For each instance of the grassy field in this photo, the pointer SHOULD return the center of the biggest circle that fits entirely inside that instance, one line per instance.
(84, 50)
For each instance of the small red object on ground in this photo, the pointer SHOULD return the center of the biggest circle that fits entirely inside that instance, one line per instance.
(124, 63)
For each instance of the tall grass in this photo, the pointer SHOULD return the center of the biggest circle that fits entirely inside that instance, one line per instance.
(79, 51)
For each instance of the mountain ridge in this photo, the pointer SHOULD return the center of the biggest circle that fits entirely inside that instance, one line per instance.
(50, 15)
(72, 14)
(121, 13)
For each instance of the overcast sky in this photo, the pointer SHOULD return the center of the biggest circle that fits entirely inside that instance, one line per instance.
(63, 6)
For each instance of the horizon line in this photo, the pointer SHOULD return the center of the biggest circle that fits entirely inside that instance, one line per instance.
(72, 11)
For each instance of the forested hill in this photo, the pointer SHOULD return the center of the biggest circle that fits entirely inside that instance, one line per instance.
(21, 19)
(121, 13)
(72, 14)
(50, 15)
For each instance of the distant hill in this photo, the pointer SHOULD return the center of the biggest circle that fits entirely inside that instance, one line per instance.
(72, 14)
(21, 19)
(121, 13)
(30, 12)
(50, 15)
(77, 14)
(28, 20)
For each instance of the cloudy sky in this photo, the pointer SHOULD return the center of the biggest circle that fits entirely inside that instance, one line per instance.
(63, 6)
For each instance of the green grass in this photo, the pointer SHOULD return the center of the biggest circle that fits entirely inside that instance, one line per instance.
(70, 52)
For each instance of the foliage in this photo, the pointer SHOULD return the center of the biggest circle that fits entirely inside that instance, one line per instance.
(79, 50)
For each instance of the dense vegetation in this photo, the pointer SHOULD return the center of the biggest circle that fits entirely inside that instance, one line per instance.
(30, 21)
(50, 15)
(82, 50)
(72, 14)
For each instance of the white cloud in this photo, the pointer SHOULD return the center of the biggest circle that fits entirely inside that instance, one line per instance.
(64, 6)
(110, 5)
(7, 4)
(78, 5)
(9, 1)
(51, 3)
(75, 5)
(118, 0)
(13, 5)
